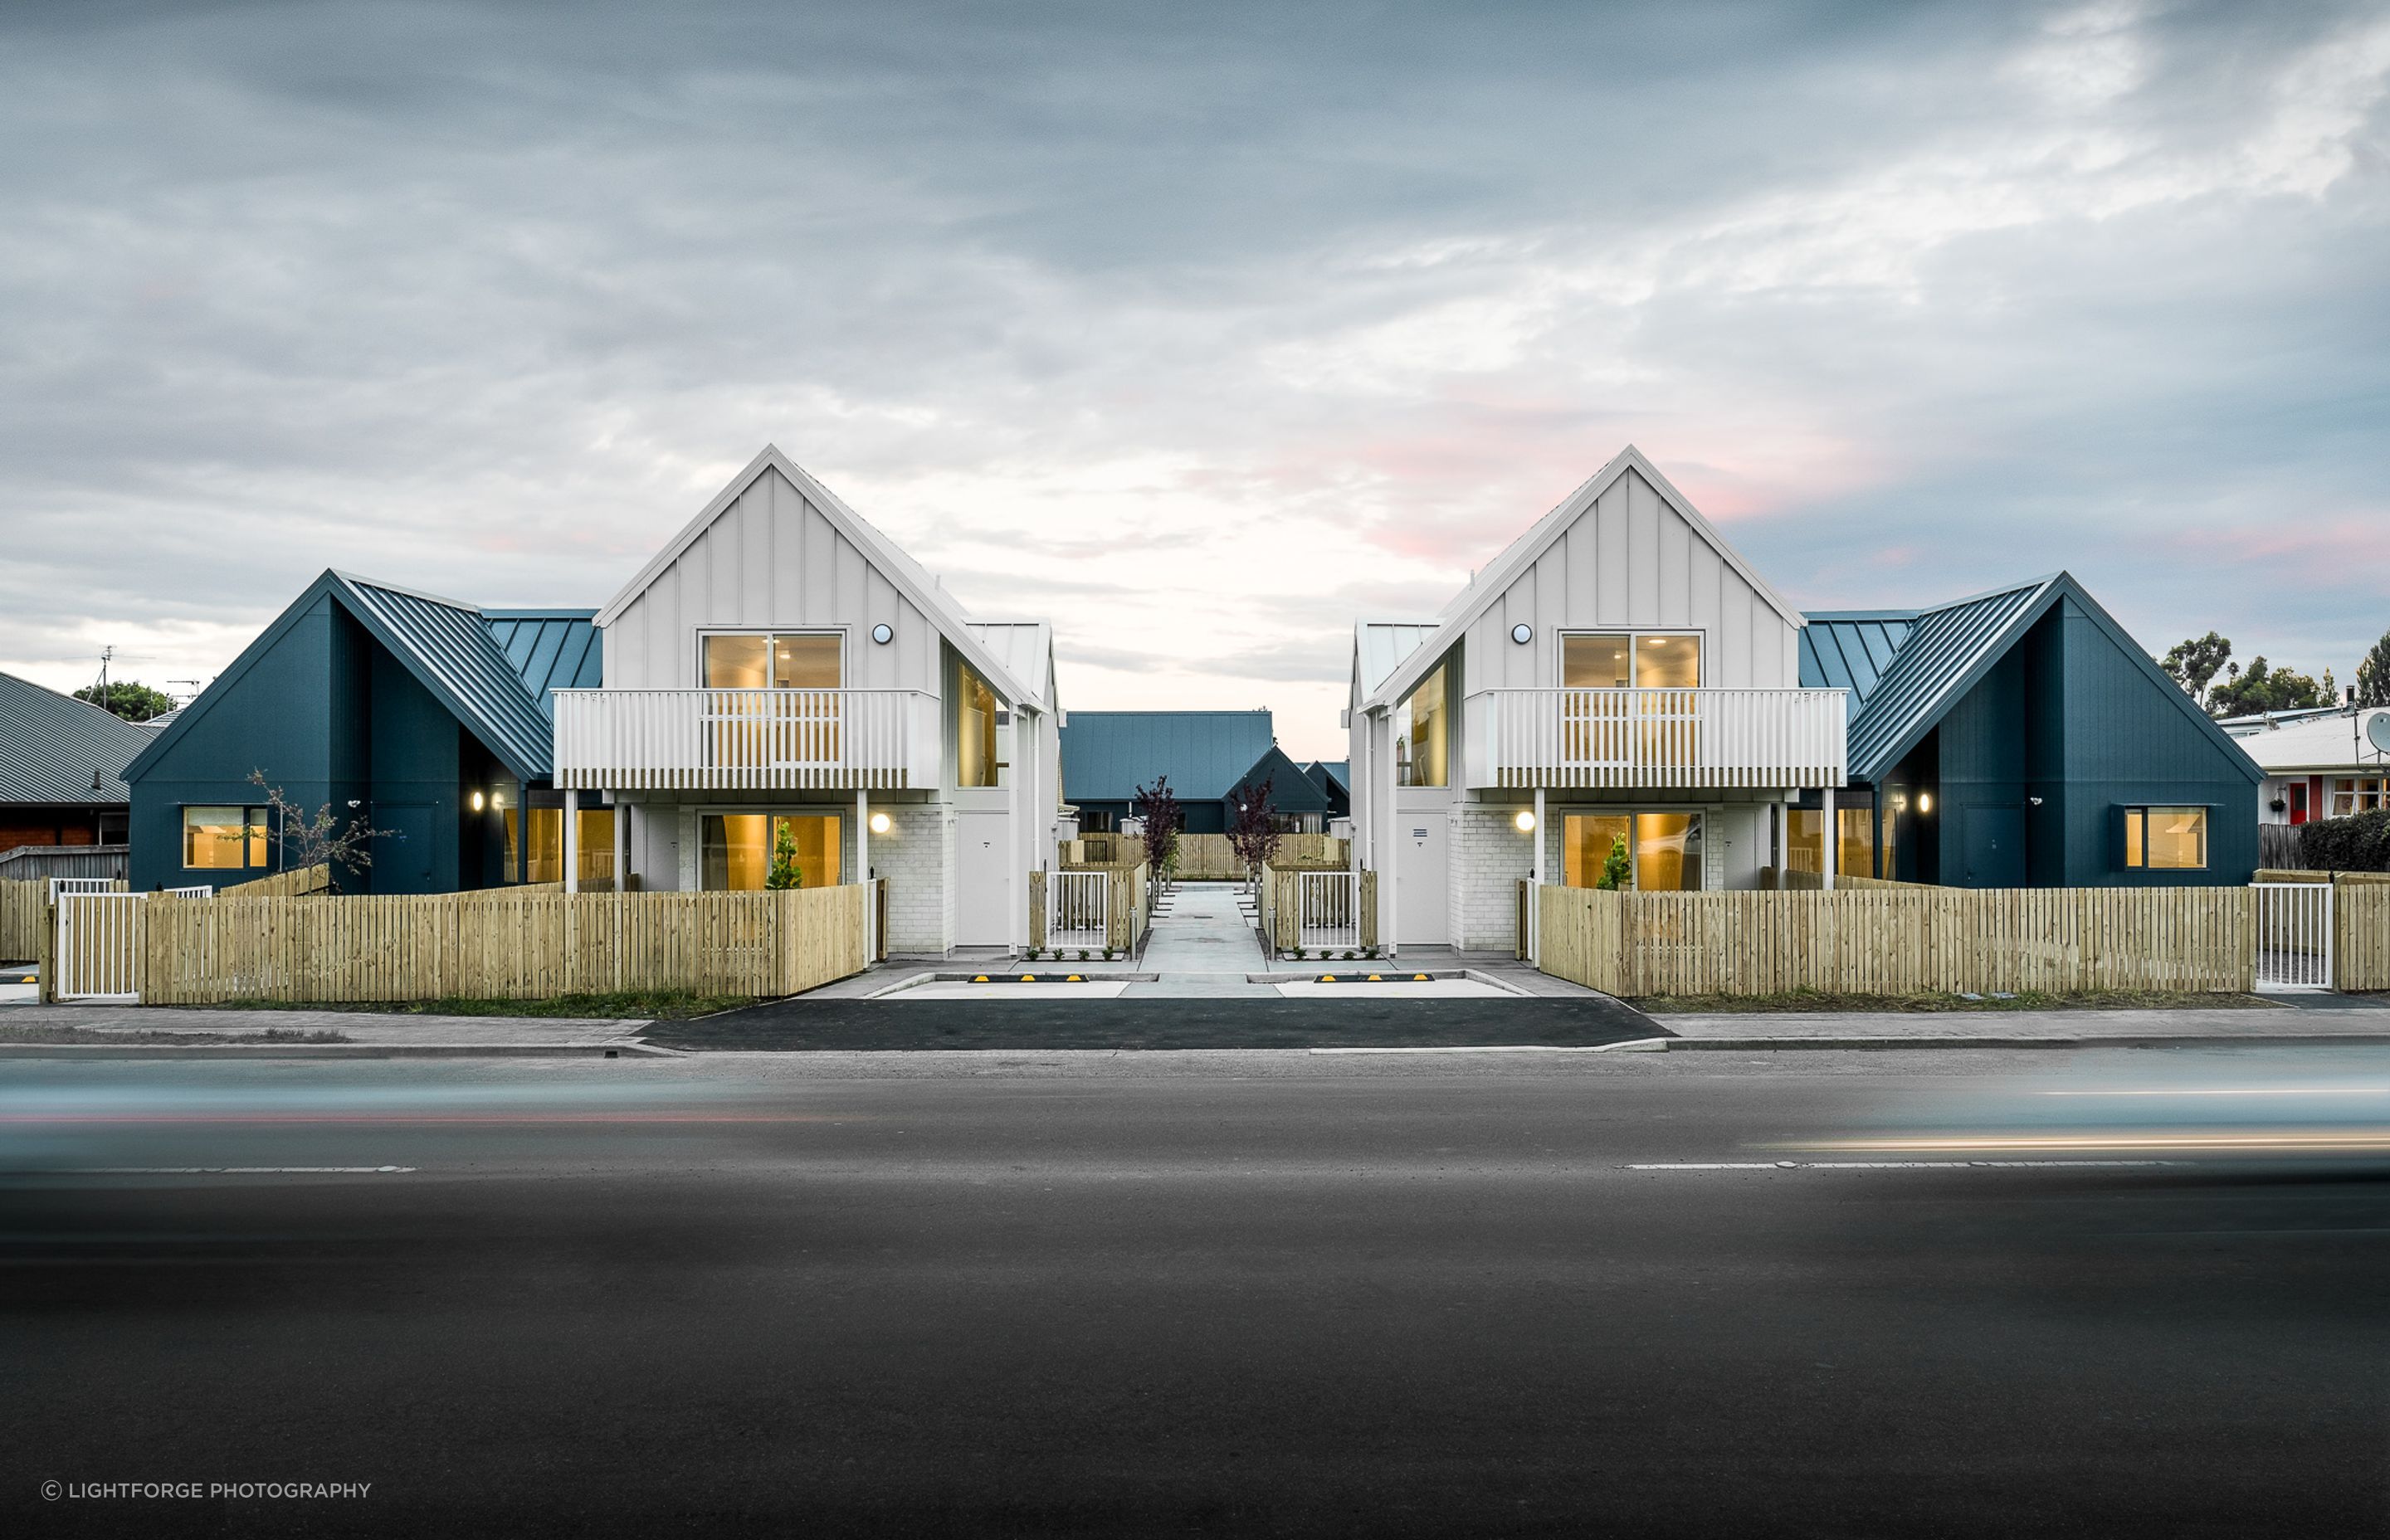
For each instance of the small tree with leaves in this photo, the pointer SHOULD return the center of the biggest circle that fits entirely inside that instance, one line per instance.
(1253, 833)
(1157, 807)
(125, 697)
(2373, 675)
(317, 839)
(785, 873)
(1617, 871)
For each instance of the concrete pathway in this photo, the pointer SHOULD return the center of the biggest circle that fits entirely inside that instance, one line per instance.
(365, 1032)
(1202, 945)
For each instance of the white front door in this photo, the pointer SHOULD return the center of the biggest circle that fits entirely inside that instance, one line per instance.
(983, 886)
(1423, 905)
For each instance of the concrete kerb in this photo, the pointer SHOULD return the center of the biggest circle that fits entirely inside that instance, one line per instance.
(1989, 1040)
(121, 1051)
(1392, 975)
(1012, 975)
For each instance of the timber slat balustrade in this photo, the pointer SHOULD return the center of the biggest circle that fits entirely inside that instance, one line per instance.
(498, 944)
(1908, 941)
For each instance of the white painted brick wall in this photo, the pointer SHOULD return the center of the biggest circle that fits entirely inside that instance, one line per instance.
(916, 857)
(1489, 856)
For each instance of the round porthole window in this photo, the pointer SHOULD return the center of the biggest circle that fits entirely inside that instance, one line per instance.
(881, 635)
(1522, 632)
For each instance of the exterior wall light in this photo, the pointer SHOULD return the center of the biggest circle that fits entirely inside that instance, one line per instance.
(1925, 802)
(880, 823)
(480, 802)
(1521, 633)
(1526, 821)
(882, 635)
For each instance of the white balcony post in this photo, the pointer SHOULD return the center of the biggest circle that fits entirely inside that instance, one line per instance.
(1826, 840)
(572, 840)
(622, 846)
(862, 869)
(1535, 947)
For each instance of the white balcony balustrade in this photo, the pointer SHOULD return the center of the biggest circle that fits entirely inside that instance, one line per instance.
(746, 739)
(1655, 738)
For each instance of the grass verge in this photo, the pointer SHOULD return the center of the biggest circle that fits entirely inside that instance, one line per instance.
(660, 1005)
(2029, 999)
(88, 1034)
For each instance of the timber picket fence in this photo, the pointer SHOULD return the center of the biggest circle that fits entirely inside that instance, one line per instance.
(24, 918)
(1128, 909)
(1900, 941)
(505, 943)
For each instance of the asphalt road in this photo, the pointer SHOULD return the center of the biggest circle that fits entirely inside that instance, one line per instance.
(1210, 1294)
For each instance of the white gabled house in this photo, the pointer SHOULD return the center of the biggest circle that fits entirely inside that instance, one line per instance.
(1619, 674)
(782, 664)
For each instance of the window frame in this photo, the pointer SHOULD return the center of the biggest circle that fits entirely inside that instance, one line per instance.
(2133, 822)
(1632, 632)
(845, 650)
(838, 814)
(262, 824)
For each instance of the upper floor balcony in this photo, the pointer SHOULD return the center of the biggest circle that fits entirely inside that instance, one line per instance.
(1655, 739)
(746, 739)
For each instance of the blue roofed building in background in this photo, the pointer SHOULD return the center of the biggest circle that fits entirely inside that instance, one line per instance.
(1208, 757)
(430, 719)
(2021, 737)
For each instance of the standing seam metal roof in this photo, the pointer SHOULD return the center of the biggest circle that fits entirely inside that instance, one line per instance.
(550, 649)
(1105, 755)
(450, 649)
(51, 745)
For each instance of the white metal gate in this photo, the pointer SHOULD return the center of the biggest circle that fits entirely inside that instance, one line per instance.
(1328, 911)
(2294, 935)
(99, 947)
(1078, 909)
(63, 885)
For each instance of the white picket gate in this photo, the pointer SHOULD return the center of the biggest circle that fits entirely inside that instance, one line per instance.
(63, 885)
(1078, 909)
(2294, 935)
(1328, 911)
(99, 948)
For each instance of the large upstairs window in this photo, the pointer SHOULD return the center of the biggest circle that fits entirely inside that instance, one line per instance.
(976, 763)
(1423, 733)
(762, 661)
(1620, 659)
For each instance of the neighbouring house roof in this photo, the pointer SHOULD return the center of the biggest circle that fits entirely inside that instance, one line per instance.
(551, 650)
(160, 723)
(2258, 722)
(1026, 650)
(1936, 655)
(1290, 790)
(2335, 742)
(51, 745)
(1107, 755)
(1493, 579)
(1380, 647)
(908, 576)
(453, 650)
(1325, 772)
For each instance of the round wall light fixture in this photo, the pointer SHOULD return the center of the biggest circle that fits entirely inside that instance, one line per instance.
(1526, 821)
(1925, 802)
(880, 823)
(1523, 633)
(882, 635)
(479, 802)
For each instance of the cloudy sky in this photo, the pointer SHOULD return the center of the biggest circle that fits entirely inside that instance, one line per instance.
(1197, 328)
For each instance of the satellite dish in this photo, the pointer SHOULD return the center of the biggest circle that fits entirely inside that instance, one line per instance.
(2377, 730)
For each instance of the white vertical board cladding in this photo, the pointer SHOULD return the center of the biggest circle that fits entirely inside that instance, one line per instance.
(771, 560)
(1632, 561)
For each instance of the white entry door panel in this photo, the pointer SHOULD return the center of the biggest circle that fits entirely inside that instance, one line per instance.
(1423, 876)
(982, 879)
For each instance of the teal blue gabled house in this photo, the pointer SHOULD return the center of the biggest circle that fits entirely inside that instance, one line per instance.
(430, 719)
(2021, 737)
(1210, 758)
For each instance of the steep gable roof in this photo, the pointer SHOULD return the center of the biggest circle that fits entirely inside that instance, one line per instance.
(1380, 647)
(551, 650)
(1849, 649)
(1946, 652)
(1331, 775)
(56, 749)
(1105, 755)
(908, 576)
(447, 647)
(1290, 790)
(1026, 650)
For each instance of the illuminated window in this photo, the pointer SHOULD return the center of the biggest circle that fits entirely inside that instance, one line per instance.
(1424, 753)
(2167, 839)
(597, 828)
(1607, 660)
(789, 660)
(2352, 794)
(1664, 849)
(975, 712)
(1853, 839)
(738, 850)
(223, 838)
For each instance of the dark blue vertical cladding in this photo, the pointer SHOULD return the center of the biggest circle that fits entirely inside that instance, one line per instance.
(1978, 820)
(2128, 742)
(417, 754)
(292, 715)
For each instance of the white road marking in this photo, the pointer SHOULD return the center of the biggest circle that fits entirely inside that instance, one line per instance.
(209, 1171)
(1885, 1165)
(1493, 1048)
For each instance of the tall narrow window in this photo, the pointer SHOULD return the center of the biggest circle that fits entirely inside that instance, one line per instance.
(1424, 748)
(1622, 717)
(975, 756)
